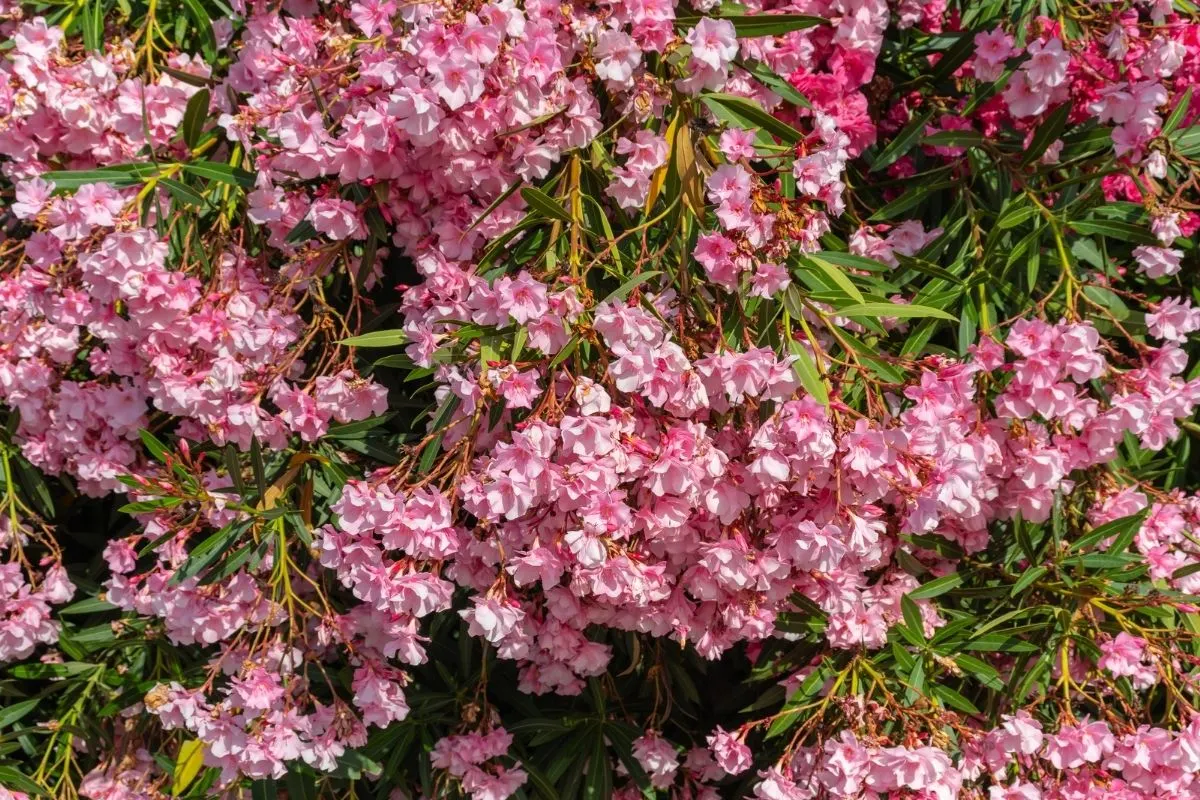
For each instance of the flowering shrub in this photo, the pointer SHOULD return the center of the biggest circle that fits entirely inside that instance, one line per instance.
(614, 399)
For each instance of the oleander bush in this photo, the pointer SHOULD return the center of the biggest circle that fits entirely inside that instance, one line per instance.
(600, 398)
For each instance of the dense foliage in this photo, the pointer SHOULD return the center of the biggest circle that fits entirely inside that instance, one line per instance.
(599, 399)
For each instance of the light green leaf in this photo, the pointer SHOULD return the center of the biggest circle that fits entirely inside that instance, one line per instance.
(745, 113)
(806, 371)
(897, 310)
(544, 204)
(903, 142)
(835, 275)
(194, 116)
(390, 338)
(188, 764)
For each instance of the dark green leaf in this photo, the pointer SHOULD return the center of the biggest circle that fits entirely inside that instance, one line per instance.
(1114, 229)
(183, 193)
(544, 204)
(1178, 112)
(622, 291)
(194, 116)
(938, 586)
(749, 26)
(1046, 133)
(746, 113)
(903, 142)
(223, 173)
(1114, 528)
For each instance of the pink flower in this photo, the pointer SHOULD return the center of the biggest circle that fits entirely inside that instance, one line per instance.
(1157, 262)
(346, 397)
(737, 144)
(457, 79)
(731, 754)
(1076, 745)
(993, 47)
(492, 619)
(1173, 319)
(658, 758)
(616, 56)
(1047, 64)
(523, 299)
(1024, 98)
(714, 42)
(337, 219)
(259, 690)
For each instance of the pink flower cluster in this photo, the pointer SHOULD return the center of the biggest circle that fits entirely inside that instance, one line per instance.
(249, 732)
(684, 487)
(471, 759)
(25, 610)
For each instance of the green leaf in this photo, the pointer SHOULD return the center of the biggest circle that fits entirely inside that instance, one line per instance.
(183, 193)
(852, 261)
(154, 445)
(148, 506)
(300, 786)
(302, 232)
(188, 764)
(955, 139)
(264, 789)
(599, 774)
(1114, 528)
(1015, 214)
(13, 713)
(569, 348)
(544, 204)
(223, 173)
(912, 616)
(208, 551)
(91, 22)
(1027, 579)
(1183, 572)
(194, 116)
(1178, 113)
(487, 212)
(983, 672)
(622, 291)
(117, 175)
(953, 699)
(953, 58)
(12, 778)
(444, 414)
(937, 586)
(33, 483)
(766, 76)
(898, 310)
(43, 671)
(1114, 229)
(916, 681)
(834, 274)
(348, 430)
(92, 605)
(903, 142)
(203, 24)
(806, 371)
(1046, 133)
(749, 26)
(390, 338)
(746, 113)
(910, 199)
